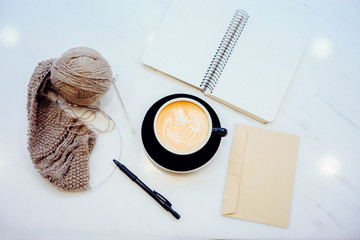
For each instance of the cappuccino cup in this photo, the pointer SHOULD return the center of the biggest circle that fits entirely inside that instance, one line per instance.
(184, 126)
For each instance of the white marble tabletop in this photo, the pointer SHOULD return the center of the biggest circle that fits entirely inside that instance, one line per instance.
(321, 106)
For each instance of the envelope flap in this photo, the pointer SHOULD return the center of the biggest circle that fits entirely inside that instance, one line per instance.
(233, 179)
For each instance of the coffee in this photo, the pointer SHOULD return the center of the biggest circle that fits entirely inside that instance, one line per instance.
(182, 126)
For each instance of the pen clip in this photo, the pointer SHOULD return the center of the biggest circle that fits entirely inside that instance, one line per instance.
(162, 198)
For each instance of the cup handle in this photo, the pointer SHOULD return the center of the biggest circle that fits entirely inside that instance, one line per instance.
(222, 132)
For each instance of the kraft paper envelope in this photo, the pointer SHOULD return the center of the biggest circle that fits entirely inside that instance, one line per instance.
(260, 176)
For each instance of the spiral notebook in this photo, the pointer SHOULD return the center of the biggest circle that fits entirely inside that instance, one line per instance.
(232, 55)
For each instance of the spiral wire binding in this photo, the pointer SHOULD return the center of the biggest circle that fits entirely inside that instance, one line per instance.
(224, 51)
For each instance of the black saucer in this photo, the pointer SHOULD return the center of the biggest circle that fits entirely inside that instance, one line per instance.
(171, 161)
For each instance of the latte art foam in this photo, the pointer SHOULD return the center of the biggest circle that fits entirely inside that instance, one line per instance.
(182, 126)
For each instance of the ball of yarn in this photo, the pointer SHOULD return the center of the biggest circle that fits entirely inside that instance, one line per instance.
(81, 76)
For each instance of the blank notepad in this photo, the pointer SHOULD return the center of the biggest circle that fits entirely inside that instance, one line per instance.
(258, 71)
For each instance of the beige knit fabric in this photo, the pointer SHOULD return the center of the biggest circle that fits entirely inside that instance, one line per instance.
(59, 145)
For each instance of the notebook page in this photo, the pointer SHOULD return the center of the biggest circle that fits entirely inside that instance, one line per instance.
(187, 39)
(260, 68)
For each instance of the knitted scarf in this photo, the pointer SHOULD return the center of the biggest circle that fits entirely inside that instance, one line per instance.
(59, 145)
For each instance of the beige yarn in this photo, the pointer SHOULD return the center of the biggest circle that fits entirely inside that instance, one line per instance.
(59, 145)
(81, 75)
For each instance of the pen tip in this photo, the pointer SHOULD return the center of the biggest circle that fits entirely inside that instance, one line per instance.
(175, 214)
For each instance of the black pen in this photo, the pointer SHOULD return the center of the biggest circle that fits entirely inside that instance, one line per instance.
(155, 195)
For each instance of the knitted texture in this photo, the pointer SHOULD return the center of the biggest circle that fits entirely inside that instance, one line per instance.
(59, 145)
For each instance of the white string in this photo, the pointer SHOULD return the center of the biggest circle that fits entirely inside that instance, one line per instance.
(122, 103)
(119, 158)
(118, 130)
